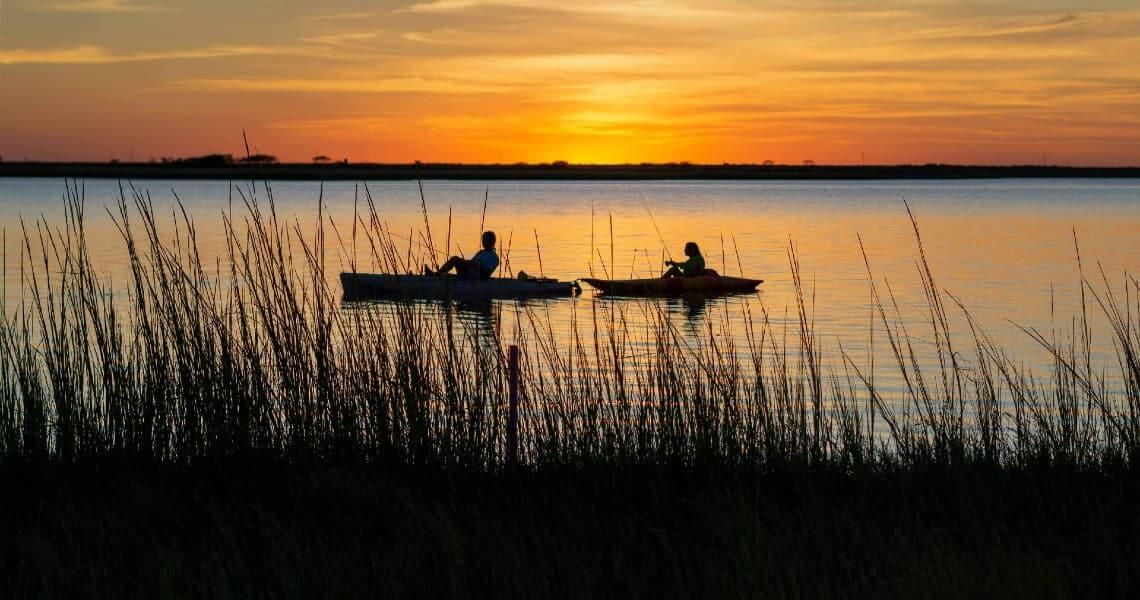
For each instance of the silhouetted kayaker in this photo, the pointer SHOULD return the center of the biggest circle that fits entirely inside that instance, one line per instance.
(690, 268)
(481, 266)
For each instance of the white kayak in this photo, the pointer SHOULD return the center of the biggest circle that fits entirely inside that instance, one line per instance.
(358, 286)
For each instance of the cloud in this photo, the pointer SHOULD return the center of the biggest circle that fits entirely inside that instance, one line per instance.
(989, 29)
(82, 55)
(450, 5)
(663, 9)
(342, 16)
(96, 55)
(377, 85)
(586, 62)
(640, 9)
(341, 39)
(100, 6)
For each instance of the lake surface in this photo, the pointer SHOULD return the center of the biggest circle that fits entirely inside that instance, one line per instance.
(1004, 248)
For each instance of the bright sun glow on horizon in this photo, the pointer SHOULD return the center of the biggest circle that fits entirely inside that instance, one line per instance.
(833, 81)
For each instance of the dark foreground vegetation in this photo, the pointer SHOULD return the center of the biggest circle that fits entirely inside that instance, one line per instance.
(226, 428)
(218, 167)
(277, 530)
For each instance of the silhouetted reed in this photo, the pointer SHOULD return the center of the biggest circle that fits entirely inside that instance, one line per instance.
(253, 357)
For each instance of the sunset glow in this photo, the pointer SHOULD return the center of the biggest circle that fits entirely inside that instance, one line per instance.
(834, 81)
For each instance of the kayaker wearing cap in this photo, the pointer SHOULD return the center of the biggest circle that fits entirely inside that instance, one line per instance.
(481, 266)
(693, 267)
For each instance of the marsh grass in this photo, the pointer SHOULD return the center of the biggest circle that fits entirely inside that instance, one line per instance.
(252, 357)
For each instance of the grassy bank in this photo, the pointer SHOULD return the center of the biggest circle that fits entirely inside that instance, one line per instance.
(249, 530)
(252, 357)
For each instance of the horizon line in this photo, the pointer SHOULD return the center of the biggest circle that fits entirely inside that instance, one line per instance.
(238, 162)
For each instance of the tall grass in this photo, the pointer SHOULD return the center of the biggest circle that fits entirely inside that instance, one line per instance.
(251, 357)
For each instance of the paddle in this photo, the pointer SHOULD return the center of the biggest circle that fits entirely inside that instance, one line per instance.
(660, 237)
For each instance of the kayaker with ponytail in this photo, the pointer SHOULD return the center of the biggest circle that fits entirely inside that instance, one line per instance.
(694, 267)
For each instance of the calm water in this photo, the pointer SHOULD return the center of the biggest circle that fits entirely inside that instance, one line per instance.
(1004, 248)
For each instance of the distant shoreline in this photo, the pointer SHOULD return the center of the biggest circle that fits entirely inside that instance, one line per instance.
(405, 172)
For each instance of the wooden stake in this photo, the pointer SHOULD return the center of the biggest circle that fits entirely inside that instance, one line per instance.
(513, 407)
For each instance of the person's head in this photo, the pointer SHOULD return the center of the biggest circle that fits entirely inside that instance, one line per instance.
(691, 249)
(488, 240)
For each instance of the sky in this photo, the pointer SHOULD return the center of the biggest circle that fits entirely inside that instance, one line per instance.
(587, 81)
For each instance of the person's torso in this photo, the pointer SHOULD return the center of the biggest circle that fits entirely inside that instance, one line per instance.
(487, 259)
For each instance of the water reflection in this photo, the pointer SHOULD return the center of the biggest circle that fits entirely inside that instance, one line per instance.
(493, 323)
(692, 307)
(480, 313)
(484, 319)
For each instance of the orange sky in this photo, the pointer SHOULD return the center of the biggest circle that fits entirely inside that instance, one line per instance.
(834, 81)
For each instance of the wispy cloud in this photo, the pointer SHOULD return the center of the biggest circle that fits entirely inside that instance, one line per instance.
(81, 55)
(96, 55)
(662, 9)
(450, 5)
(1009, 28)
(346, 39)
(100, 6)
(341, 16)
(377, 85)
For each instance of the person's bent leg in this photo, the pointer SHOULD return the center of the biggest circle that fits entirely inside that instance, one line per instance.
(672, 272)
(453, 263)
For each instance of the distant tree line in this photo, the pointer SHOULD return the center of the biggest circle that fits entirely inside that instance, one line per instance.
(222, 160)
